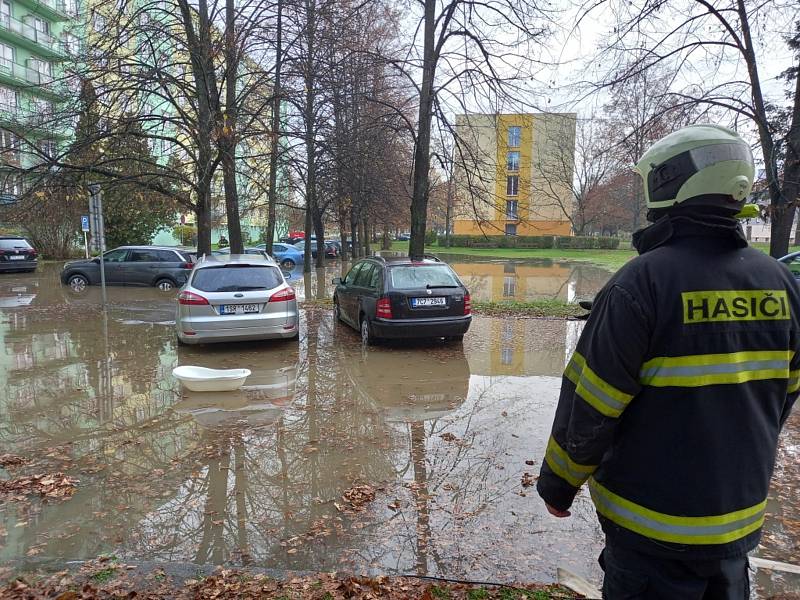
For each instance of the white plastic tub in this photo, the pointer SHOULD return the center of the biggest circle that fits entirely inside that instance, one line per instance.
(200, 379)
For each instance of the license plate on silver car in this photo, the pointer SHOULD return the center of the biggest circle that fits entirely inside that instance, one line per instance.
(415, 302)
(237, 309)
(19, 257)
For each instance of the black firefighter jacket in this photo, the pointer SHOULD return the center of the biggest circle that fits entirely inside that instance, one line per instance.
(672, 403)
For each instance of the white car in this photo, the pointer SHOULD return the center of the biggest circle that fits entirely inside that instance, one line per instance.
(234, 298)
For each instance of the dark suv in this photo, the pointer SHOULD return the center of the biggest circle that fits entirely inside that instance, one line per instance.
(161, 266)
(16, 254)
(400, 298)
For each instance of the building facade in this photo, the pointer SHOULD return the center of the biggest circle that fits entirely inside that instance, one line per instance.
(34, 41)
(513, 173)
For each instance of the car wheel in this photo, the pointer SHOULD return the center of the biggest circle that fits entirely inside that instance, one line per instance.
(337, 312)
(288, 264)
(367, 339)
(77, 283)
(165, 285)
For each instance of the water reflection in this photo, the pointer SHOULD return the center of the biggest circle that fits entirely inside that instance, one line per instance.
(442, 433)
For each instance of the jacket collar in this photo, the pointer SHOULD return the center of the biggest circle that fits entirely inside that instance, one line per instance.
(678, 226)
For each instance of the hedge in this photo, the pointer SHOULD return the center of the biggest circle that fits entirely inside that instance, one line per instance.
(532, 241)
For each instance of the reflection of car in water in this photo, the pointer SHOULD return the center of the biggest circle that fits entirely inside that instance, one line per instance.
(412, 386)
(14, 294)
(267, 391)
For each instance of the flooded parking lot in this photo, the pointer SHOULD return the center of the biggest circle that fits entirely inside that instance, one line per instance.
(442, 434)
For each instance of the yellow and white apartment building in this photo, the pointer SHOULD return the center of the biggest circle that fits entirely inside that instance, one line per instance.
(513, 173)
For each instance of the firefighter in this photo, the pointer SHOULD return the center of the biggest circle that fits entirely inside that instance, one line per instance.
(687, 368)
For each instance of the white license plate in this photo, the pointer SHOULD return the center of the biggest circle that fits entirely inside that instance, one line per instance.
(428, 302)
(237, 309)
(19, 257)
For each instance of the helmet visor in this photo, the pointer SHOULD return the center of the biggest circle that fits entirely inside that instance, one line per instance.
(665, 180)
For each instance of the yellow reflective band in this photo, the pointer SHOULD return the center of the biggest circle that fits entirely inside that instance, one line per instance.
(794, 382)
(716, 529)
(713, 369)
(735, 305)
(562, 465)
(601, 395)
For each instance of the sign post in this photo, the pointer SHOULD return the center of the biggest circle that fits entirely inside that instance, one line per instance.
(85, 229)
(98, 231)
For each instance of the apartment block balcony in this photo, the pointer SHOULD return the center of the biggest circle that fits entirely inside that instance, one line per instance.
(54, 10)
(42, 123)
(33, 81)
(25, 34)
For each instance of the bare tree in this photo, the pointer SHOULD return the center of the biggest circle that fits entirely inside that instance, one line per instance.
(706, 41)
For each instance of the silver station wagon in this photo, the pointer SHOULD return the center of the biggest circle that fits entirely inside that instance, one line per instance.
(235, 298)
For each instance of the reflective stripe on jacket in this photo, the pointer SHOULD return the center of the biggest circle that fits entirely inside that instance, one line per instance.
(673, 401)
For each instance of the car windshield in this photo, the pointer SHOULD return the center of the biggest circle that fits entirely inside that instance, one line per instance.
(236, 278)
(14, 244)
(422, 276)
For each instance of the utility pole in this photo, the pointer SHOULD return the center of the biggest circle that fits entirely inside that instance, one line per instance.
(98, 230)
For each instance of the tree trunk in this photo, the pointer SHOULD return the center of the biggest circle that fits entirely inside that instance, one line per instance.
(356, 239)
(309, 116)
(365, 236)
(274, 141)
(422, 155)
(203, 217)
(791, 169)
(386, 243)
(319, 231)
(782, 215)
(448, 215)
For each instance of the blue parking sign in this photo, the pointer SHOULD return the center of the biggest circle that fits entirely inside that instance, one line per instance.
(84, 223)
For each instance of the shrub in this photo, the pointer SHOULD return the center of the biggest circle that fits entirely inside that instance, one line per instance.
(431, 237)
(587, 242)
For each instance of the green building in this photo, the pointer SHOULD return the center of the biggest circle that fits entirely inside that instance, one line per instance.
(34, 41)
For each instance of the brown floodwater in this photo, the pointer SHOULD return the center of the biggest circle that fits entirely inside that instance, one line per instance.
(256, 477)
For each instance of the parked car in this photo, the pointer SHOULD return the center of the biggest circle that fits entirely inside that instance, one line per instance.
(16, 254)
(792, 261)
(338, 245)
(330, 249)
(227, 251)
(286, 255)
(161, 266)
(403, 237)
(399, 298)
(236, 298)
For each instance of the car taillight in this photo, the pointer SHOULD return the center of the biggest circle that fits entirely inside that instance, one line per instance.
(383, 308)
(32, 252)
(187, 265)
(191, 299)
(283, 296)
(467, 305)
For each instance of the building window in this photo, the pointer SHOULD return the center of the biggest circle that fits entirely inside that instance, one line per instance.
(9, 143)
(512, 185)
(511, 209)
(98, 21)
(6, 56)
(512, 161)
(44, 108)
(506, 356)
(8, 99)
(5, 14)
(514, 135)
(509, 286)
(511, 229)
(48, 148)
(71, 7)
(72, 44)
(41, 26)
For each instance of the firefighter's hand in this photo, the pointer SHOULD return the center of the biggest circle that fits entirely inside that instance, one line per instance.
(557, 513)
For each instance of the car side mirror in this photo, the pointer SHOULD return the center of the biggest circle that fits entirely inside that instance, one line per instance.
(96, 260)
(336, 280)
